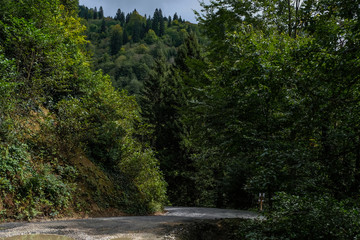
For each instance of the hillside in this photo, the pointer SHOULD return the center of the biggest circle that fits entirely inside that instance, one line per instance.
(126, 46)
(69, 142)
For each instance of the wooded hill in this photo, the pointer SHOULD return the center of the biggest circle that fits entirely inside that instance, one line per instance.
(125, 46)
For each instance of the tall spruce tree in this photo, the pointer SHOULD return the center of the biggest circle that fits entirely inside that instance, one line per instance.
(161, 101)
(101, 13)
(169, 21)
(103, 26)
(116, 39)
(156, 22)
(136, 26)
(127, 18)
(161, 24)
(95, 16)
(148, 24)
(176, 17)
(118, 15)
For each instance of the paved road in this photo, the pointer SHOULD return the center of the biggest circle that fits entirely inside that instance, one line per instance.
(133, 227)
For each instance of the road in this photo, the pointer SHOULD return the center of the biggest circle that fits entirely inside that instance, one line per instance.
(132, 227)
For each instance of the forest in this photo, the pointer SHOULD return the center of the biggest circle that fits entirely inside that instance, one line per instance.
(129, 113)
(126, 46)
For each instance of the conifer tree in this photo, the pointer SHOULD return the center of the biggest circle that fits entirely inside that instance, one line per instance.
(83, 11)
(118, 14)
(161, 24)
(116, 39)
(101, 13)
(90, 14)
(190, 49)
(95, 13)
(103, 26)
(155, 22)
(150, 99)
(122, 19)
(136, 26)
(125, 37)
(148, 24)
(161, 101)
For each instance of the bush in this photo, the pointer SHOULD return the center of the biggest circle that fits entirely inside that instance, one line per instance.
(142, 169)
(14, 167)
(29, 191)
(315, 217)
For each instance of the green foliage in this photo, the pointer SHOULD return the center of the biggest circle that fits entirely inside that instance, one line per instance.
(54, 111)
(314, 217)
(141, 166)
(40, 52)
(34, 191)
(306, 217)
(160, 102)
(278, 98)
(108, 133)
(143, 40)
(151, 37)
(135, 26)
(116, 39)
(7, 88)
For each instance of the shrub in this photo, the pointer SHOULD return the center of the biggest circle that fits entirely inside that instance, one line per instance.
(30, 191)
(142, 169)
(306, 217)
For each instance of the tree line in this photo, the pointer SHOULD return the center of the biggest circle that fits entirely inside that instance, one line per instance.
(136, 26)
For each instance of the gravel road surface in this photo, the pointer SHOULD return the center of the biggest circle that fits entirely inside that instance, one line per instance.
(132, 227)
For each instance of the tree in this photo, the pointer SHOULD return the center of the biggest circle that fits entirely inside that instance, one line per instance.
(120, 16)
(161, 24)
(116, 39)
(169, 21)
(103, 26)
(125, 37)
(101, 13)
(148, 24)
(151, 37)
(156, 22)
(162, 96)
(280, 100)
(95, 13)
(127, 19)
(136, 26)
(83, 13)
